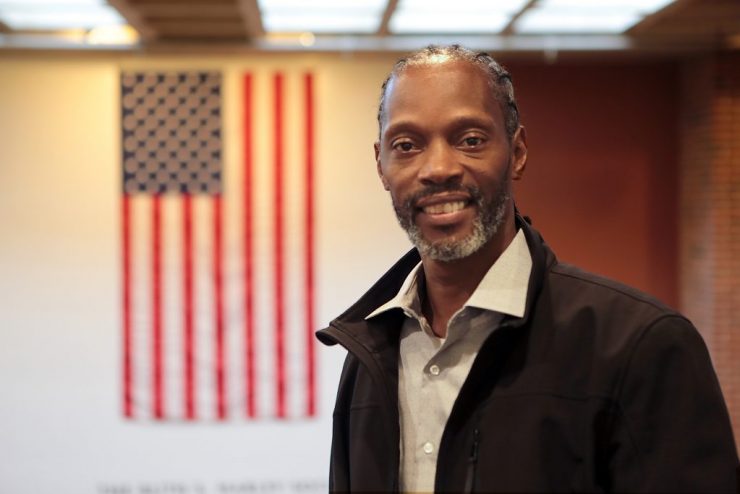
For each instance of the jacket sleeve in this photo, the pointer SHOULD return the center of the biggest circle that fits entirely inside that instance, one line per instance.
(339, 462)
(673, 431)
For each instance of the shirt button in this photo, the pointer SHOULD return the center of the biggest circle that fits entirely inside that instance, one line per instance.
(428, 448)
(434, 369)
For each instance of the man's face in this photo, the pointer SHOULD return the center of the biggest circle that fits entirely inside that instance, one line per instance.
(446, 159)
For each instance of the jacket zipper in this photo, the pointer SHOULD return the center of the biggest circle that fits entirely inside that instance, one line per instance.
(472, 464)
(360, 351)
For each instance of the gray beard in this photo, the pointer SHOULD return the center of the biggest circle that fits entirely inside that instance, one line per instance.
(487, 221)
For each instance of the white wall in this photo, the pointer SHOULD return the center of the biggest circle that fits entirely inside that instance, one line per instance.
(61, 429)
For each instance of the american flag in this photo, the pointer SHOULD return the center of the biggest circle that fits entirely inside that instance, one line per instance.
(217, 254)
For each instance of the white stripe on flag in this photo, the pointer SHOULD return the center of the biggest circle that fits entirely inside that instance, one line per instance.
(263, 262)
(205, 331)
(295, 227)
(172, 285)
(142, 304)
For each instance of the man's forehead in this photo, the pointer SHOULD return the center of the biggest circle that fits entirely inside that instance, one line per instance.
(424, 85)
(439, 64)
(438, 58)
(419, 77)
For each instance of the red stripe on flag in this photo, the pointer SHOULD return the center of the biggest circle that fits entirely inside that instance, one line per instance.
(309, 211)
(188, 306)
(249, 316)
(219, 307)
(279, 249)
(128, 370)
(157, 316)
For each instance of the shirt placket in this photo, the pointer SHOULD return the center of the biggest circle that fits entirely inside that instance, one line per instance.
(434, 392)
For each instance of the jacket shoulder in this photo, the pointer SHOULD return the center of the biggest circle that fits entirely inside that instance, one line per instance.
(589, 289)
(603, 316)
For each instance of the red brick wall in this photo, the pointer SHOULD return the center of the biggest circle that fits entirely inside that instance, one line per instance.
(601, 183)
(710, 212)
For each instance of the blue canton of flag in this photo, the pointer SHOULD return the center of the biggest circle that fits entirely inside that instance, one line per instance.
(171, 132)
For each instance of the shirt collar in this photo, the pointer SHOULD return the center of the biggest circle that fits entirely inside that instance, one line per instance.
(407, 297)
(503, 288)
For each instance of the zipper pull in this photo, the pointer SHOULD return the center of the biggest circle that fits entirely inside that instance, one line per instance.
(472, 463)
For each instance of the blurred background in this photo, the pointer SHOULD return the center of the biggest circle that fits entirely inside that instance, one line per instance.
(188, 191)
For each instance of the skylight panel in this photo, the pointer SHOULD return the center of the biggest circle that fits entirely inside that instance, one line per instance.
(643, 7)
(471, 6)
(54, 15)
(586, 16)
(453, 16)
(408, 21)
(543, 21)
(322, 16)
(335, 22)
(35, 4)
(272, 5)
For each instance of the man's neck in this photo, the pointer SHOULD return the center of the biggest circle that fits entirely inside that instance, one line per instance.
(448, 285)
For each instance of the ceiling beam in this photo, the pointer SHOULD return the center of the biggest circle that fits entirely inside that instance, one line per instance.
(500, 44)
(390, 8)
(252, 18)
(587, 47)
(187, 9)
(656, 18)
(196, 28)
(509, 29)
(134, 19)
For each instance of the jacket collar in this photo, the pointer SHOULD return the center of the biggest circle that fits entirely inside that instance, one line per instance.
(353, 323)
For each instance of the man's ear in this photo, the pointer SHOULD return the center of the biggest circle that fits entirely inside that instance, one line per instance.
(518, 153)
(378, 166)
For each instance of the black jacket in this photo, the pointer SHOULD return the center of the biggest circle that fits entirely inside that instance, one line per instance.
(598, 388)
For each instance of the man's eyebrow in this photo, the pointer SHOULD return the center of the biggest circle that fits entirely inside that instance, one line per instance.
(457, 123)
(465, 121)
(401, 126)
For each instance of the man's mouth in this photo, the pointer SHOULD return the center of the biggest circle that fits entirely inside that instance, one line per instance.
(444, 207)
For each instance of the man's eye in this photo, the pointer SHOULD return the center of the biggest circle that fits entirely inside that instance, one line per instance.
(472, 142)
(404, 146)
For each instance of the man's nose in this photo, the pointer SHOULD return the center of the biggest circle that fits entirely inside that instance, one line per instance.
(440, 164)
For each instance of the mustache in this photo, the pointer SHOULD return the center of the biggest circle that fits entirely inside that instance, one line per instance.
(434, 189)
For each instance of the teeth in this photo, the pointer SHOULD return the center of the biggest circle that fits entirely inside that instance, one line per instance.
(445, 207)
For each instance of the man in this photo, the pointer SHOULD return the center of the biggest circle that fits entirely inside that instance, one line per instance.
(479, 363)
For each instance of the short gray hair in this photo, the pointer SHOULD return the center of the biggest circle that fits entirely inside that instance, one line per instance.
(499, 79)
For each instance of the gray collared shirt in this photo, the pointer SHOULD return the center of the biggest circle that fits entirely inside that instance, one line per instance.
(432, 370)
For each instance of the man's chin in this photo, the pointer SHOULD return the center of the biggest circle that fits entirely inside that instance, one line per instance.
(446, 234)
(449, 249)
(446, 241)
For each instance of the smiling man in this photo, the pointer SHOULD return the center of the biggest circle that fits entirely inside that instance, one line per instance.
(479, 363)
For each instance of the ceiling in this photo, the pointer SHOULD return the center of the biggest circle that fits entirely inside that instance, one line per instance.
(680, 26)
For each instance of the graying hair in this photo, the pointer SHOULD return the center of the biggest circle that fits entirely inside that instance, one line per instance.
(499, 79)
